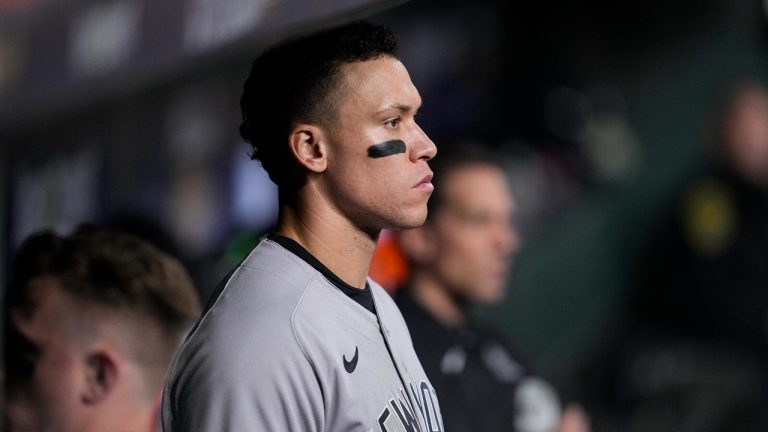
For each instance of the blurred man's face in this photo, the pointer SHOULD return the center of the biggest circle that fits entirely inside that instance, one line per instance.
(44, 368)
(474, 235)
(746, 135)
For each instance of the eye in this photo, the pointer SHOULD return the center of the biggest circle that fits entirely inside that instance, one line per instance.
(393, 122)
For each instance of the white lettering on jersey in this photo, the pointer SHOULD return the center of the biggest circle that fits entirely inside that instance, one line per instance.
(404, 418)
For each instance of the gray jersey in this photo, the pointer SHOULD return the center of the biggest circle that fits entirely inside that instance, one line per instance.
(282, 349)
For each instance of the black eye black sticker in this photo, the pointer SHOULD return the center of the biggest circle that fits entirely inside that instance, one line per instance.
(387, 148)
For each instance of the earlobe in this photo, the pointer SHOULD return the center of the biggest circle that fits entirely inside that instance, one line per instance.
(308, 147)
(101, 374)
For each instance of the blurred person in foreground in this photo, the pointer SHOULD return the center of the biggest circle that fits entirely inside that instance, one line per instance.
(298, 337)
(92, 321)
(459, 258)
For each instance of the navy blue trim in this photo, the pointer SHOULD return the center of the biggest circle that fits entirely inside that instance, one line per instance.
(363, 296)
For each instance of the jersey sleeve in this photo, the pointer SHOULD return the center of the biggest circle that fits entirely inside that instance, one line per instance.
(270, 391)
(242, 371)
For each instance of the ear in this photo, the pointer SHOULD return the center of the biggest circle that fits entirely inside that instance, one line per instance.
(101, 374)
(308, 147)
(418, 244)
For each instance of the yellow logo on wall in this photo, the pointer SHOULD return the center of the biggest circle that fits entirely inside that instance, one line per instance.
(709, 218)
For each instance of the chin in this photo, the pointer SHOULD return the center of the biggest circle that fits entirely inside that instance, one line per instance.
(489, 296)
(413, 223)
(407, 221)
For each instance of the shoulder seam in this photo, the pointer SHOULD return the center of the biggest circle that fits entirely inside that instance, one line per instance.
(289, 255)
(298, 341)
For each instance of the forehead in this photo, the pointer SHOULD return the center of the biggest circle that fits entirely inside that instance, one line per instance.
(478, 186)
(377, 84)
(50, 310)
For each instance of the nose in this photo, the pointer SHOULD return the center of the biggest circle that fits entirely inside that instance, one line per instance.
(423, 148)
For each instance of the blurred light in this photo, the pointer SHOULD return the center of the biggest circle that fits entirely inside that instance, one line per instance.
(59, 195)
(9, 4)
(765, 8)
(254, 196)
(10, 63)
(611, 146)
(104, 37)
(567, 110)
(389, 267)
(710, 218)
(544, 186)
(537, 405)
(209, 23)
(194, 215)
(192, 129)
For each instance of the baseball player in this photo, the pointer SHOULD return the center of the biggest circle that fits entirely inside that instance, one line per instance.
(297, 337)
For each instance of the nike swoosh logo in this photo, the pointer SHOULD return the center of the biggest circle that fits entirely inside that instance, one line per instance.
(351, 364)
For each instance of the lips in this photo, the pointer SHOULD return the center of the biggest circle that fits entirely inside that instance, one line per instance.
(425, 183)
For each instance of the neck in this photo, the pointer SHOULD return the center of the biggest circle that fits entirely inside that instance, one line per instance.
(128, 417)
(342, 247)
(433, 296)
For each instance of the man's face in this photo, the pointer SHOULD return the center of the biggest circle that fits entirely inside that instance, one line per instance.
(377, 172)
(473, 233)
(746, 136)
(44, 364)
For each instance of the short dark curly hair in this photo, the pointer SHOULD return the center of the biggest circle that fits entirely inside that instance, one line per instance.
(296, 82)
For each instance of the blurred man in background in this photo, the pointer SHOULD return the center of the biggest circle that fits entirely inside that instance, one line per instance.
(91, 323)
(460, 257)
(699, 314)
(705, 274)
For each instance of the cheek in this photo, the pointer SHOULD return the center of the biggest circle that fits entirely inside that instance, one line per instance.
(359, 168)
(459, 257)
(465, 244)
(376, 178)
(55, 390)
(38, 405)
(468, 262)
(390, 169)
(20, 413)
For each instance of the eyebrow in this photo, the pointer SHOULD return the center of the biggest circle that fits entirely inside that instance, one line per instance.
(399, 107)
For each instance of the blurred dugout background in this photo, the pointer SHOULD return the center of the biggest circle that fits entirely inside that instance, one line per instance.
(125, 113)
